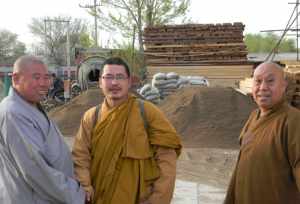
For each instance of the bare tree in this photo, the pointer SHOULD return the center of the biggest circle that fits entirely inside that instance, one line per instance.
(53, 36)
(127, 15)
(10, 47)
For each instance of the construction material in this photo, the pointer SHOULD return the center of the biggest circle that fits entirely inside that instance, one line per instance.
(293, 90)
(224, 76)
(292, 75)
(195, 44)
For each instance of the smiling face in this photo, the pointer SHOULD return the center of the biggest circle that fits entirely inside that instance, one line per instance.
(268, 86)
(32, 82)
(115, 82)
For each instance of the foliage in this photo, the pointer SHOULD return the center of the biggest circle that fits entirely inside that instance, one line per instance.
(53, 36)
(10, 47)
(132, 56)
(130, 15)
(266, 42)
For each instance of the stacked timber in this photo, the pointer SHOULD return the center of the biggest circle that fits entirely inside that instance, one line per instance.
(195, 44)
(293, 90)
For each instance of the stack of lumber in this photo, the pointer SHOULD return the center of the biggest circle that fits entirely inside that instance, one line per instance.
(293, 90)
(195, 44)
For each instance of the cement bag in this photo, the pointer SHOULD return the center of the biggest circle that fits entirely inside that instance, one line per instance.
(171, 81)
(153, 91)
(170, 86)
(168, 92)
(159, 83)
(183, 80)
(153, 97)
(160, 76)
(172, 75)
(198, 80)
(144, 89)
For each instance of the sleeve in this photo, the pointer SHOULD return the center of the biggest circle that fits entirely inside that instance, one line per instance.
(292, 131)
(160, 131)
(49, 183)
(82, 151)
(164, 186)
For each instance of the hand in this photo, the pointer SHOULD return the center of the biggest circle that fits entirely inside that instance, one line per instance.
(89, 197)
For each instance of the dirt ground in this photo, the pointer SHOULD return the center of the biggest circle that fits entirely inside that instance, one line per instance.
(69, 115)
(208, 120)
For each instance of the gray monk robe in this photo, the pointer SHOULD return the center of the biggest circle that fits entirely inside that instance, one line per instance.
(35, 163)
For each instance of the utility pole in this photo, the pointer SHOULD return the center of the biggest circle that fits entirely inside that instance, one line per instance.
(94, 7)
(45, 37)
(293, 18)
(67, 77)
(68, 36)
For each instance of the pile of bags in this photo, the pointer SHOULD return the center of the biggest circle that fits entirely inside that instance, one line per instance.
(150, 93)
(164, 84)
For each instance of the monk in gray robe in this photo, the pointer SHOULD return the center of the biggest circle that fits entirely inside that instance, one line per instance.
(268, 167)
(35, 163)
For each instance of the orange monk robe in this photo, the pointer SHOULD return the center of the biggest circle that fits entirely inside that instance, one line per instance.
(123, 158)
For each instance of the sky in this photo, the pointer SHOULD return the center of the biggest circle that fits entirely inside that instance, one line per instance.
(257, 15)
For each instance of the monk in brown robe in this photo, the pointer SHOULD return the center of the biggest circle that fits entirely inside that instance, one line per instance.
(268, 166)
(129, 155)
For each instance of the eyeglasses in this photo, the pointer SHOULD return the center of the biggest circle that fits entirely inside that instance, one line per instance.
(118, 77)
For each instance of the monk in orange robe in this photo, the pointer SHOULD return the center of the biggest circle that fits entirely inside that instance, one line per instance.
(123, 158)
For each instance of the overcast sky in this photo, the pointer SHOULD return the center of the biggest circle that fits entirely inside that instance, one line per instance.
(257, 15)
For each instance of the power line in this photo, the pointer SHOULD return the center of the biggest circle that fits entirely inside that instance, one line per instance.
(285, 30)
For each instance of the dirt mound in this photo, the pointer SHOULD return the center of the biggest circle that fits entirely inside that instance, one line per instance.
(69, 115)
(208, 117)
(204, 116)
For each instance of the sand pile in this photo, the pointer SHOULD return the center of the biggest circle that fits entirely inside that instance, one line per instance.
(204, 116)
(69, 115)
(208, 117)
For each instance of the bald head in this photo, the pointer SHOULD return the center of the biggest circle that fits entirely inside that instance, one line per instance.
(24, 63)
(31, 79)
(269, 67)
(268, 85)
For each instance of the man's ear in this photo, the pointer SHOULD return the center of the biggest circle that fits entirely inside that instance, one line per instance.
(100, 82)
(130, 81)
(285, 84)
(15, 78)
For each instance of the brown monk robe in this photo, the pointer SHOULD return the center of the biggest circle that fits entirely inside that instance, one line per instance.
(268, 167)
(124, 160)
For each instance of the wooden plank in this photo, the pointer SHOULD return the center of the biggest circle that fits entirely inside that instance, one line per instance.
(202, 67)
(179, 54)
(196, 45)
(215, 73)
(215, 61)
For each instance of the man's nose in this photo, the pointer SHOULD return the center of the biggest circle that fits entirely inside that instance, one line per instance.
(263, 85)
(114, 80)
(44, 82)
